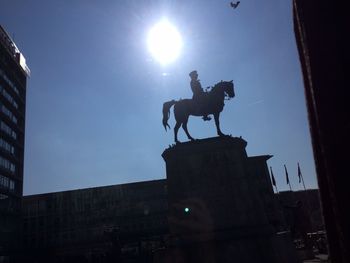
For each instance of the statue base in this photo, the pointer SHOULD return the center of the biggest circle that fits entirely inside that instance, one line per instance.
(217, 205)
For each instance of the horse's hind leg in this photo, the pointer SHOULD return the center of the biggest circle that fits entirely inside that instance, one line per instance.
(184, 126)
(176, 129)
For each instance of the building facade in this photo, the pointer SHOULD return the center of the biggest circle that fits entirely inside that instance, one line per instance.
(98, 224)
(301, 210)
(13, 78)
(129, 222)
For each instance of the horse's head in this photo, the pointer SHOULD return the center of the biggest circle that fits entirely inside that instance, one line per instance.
(226, 87)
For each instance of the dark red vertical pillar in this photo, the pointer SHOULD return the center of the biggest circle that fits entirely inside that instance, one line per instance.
(321, 30)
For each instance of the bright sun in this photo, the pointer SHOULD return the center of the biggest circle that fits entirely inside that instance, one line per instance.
(164, 42)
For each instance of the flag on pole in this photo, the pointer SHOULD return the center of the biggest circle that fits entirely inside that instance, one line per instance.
(287, 178)
(299, 173)
(301, 179)
(272, 177)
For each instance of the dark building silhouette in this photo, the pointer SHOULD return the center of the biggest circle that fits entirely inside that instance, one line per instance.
(96, 224)
(13, 77)
(304, 206)
(130, 221)
(304, 220)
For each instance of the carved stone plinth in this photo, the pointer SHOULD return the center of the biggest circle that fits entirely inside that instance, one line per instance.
(216, 205)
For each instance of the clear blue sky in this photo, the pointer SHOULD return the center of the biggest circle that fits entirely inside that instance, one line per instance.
(95, 95)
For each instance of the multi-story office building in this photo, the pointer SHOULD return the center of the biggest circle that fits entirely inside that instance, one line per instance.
(100, 224)
(13, 76)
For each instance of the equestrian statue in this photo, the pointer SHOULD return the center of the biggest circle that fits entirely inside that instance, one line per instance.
(202, 104)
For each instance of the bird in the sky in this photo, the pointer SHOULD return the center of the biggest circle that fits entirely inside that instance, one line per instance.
(234, 5)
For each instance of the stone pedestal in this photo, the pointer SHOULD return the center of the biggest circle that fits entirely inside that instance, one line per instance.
(216, 213)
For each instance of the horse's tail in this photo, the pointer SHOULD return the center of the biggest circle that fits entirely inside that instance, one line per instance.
(166, 112)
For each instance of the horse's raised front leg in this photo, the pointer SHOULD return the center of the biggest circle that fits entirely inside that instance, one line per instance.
(176, 129)
(217, 123)
(184, 126)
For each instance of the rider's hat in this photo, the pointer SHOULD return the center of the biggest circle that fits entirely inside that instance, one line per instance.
(193, 73)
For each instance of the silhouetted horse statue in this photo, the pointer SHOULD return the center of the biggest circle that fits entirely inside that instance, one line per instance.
(213, 104)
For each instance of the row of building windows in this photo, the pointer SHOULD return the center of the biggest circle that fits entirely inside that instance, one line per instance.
(6, 146)
(8, 113)
(8, 81)
(7, 183)
(8, 97)
(4, 163)
(9, 205)
(2, 196)
(4, 127)
(51, 224)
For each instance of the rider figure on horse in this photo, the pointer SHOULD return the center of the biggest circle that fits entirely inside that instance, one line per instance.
(198, 93)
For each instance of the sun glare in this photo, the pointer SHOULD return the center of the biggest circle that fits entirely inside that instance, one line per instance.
(164, 42)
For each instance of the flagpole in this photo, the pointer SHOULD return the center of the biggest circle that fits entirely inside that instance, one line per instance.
(276, 189)
(301, 177)
(287, 178)
(273, 180)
